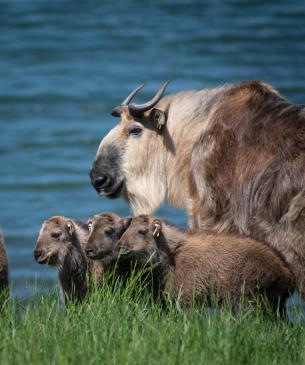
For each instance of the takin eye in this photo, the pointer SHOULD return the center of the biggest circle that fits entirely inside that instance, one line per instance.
(56, 235)
(142, 232)
(89, 224)
(109, 231)
(135, 131)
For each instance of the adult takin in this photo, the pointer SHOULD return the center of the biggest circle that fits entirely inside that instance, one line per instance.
(61, 244)
(232, 156)
(198, 265)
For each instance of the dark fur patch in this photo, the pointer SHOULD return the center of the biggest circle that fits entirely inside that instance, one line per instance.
(108, 163)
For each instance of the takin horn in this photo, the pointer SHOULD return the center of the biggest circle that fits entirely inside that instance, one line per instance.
(132, 95)
(116, 112)
(139, 109)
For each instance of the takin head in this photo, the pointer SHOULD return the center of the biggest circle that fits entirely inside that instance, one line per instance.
(140, 242)
(126, 162)
(56, 238)
(104, 231)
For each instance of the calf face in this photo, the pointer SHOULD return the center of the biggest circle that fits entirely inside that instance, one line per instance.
(139, 243)
(54, 240)
(104, 231)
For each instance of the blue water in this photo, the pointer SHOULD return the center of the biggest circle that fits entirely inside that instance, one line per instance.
(65, 64)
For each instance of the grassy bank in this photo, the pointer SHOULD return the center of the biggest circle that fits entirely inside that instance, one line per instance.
(116, 328)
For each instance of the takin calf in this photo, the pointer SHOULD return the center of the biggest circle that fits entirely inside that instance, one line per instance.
(4, 283)
(60, 244)
(104, 231)
(196, 265)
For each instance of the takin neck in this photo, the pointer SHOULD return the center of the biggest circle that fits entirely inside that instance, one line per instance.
(170, 241)
(73, 273)
(163, 170)
(189, 116)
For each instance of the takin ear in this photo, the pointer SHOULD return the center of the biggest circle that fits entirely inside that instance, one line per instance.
(157, 227)
(70, 227)
(158, 118)
(126, 222)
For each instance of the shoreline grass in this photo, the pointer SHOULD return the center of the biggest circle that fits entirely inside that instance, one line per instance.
(115, 326)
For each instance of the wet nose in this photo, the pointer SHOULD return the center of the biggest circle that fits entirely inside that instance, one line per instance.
(101, 182)
(37, 254)
(90, 252)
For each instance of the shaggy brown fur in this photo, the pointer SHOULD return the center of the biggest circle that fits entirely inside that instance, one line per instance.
(104, 231)
(193, 265)
(251, 180)
(233, 157)
(61, 244)
(4, 280)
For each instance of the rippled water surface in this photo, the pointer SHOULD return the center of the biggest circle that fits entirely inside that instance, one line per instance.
(65, 64)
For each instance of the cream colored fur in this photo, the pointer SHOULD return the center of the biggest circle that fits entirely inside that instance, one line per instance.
(152, 164)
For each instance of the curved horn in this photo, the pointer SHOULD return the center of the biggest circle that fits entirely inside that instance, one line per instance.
(139, 109)
(116, 112)
(132, 95)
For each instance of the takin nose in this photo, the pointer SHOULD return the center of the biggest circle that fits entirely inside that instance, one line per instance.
(37, 254)
(101, 182)
(90, 252)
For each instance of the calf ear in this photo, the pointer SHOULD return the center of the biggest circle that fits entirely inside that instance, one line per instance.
(159, 118)
(157, 227)
(126, 222)
(70, 227)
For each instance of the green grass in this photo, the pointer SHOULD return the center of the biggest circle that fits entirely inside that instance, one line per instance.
(116, 326)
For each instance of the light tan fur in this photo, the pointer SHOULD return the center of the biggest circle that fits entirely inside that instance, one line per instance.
(61, 243)
(193, 265)
(167, 175)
